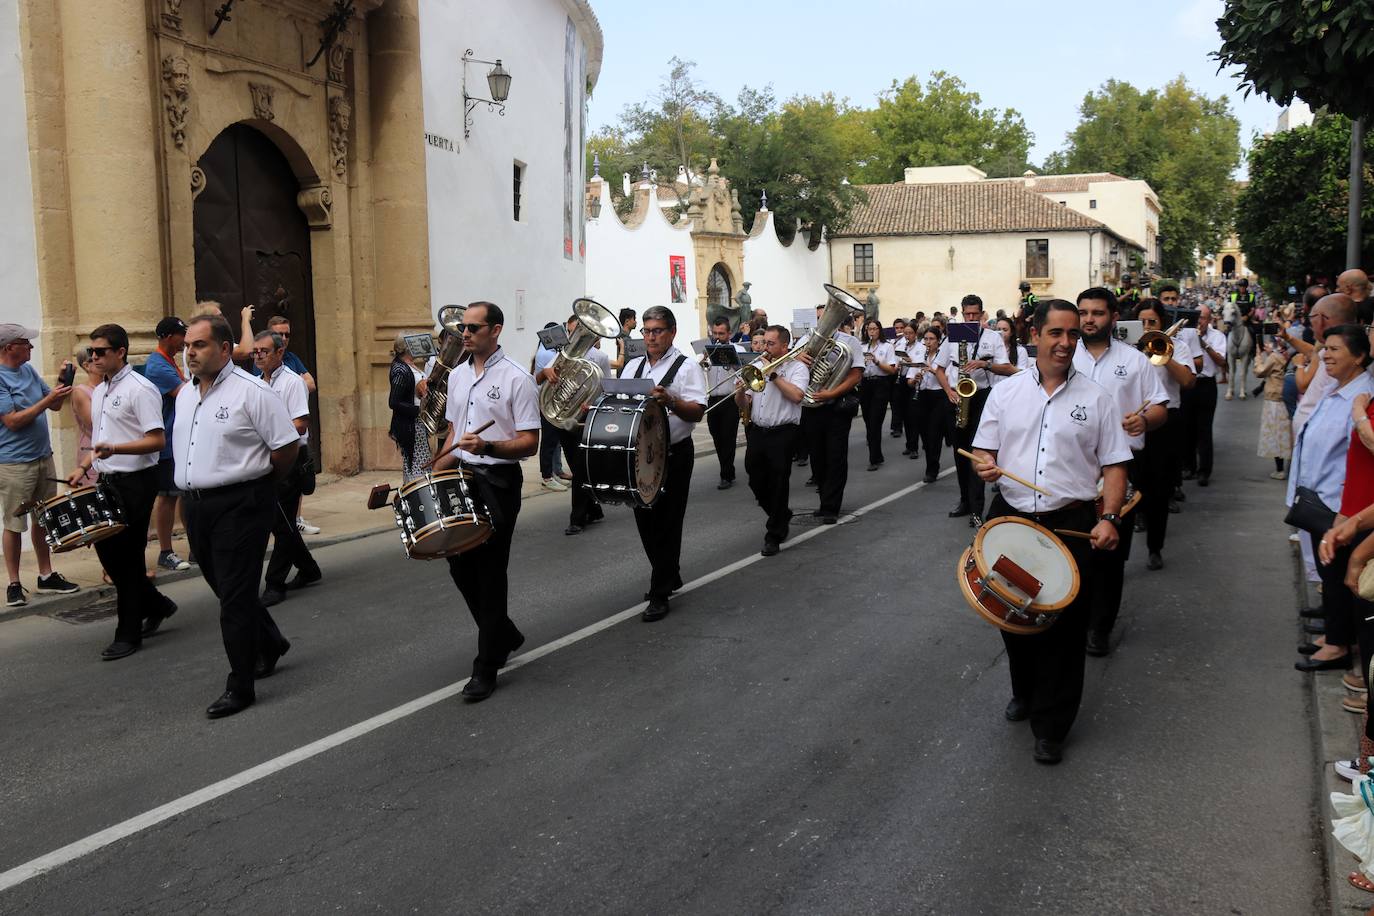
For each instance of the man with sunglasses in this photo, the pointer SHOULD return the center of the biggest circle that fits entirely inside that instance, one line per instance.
(126, 437)
(27, 474)
(489, 387)
(680, 386)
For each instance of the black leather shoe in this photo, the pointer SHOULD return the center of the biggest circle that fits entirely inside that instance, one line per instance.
(117, 650)
(960, 510)
(1048, 752)
(153, 621)
(267, 664)
(725, 484)
(479, 687)
(573, 529)
(1203, 480)
(829, 518)
(906, 453)
(896, 433)
(513, 648)
(929, 478)
(1328, 664)
(1155, 561)
(301, 580)
(873, 467)
(801, 462)
(227, 705)
(1097, 645)
(1308, 648)
(1180, 495)
(913, 455)
(1017, 710)
(273, 596)
(770, 547)
(1315, 627)
(657, 610)
(1174, 507)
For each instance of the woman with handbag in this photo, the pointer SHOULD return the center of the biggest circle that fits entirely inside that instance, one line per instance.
(1317, 480)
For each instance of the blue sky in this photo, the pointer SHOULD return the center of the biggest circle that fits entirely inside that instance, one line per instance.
(1040, 59)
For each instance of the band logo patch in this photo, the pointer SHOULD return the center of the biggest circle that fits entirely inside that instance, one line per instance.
(1120, 371)
(1079, 414)
(494, 392)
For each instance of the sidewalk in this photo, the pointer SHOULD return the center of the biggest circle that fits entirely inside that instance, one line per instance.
(338, 506)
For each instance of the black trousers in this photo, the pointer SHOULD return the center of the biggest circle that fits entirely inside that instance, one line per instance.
(584, 508)
(660, 527)
(826, 430)
(723, 422)
(901, 397)
(1338, 602)
(971, 486)
(481, 573)
(928, 417)
(227, 530)
(288, 545)
(1154, 477)
(122, 554)
(768, 463)
(1109, 581)
(1197, 450)
(874, 393)
(1047, 667)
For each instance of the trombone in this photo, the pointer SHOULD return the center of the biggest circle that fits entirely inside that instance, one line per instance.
(753, 376)
(1159, 345)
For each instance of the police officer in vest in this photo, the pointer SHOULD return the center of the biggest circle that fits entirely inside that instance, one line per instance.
(232, 438)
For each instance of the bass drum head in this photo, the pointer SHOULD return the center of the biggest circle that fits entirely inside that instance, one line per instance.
(987, 604)
(1035, 550)
(651, 452)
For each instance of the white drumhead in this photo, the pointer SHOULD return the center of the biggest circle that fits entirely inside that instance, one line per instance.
(1036, 553)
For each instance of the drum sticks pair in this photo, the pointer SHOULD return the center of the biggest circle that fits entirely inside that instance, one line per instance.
(376, 498)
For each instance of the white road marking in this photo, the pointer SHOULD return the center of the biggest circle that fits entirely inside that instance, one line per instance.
(110, 835)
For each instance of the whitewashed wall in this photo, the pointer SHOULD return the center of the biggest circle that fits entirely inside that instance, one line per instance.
(783, 277)
(477, 249)
(18, 251)
(627, 266)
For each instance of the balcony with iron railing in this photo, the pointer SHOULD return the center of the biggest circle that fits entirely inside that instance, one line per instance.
(863, 275)
(1037, 269)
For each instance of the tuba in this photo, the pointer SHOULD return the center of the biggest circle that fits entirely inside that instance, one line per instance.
(966, 388)
(830, 359)
(436, 398)
(579, 379)
(1159, 345)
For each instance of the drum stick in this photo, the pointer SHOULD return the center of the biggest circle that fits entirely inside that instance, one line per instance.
(1065, 532)
(1005, 473)
(476, 432)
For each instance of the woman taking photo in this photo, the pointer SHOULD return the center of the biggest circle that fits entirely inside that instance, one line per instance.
(929, 406)
(408, 388)
(880, 368)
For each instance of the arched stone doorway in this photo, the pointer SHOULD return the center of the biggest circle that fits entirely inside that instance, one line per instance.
(718, 292)
(252, 242)
(1228, 266)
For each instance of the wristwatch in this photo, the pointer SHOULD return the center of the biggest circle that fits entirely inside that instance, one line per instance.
(487, 448)
(1111, 517)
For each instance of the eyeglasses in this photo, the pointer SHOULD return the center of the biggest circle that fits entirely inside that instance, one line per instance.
(473, 328)
(262, 352)
(96, 351)
(654, 332)
(20, 343)
(284, 335)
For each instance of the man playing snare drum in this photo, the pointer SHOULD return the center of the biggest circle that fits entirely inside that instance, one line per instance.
(1055, 427)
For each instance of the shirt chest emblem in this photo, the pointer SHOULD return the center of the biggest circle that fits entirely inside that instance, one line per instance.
(494, 392)
(1120, 371)
(1079, 414)
(117, 400)
(222, 415)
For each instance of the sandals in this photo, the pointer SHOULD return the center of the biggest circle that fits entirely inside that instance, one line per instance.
(1359, 881)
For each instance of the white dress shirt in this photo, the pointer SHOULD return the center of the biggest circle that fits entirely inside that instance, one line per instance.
(1127, 375)
(1183, 355)
(1059, 442)
(919, 354)
(1023, 359)
(883, 352)
(290, 387)
(228, 436)
(1217, 341)
(769, 407)
(124, 408)
(504, 393)
(989, 347)
(688, 385)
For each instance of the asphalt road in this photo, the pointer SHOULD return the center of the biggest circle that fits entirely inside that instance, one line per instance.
(818, 732)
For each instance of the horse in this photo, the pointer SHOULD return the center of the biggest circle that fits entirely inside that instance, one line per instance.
(1240, 350)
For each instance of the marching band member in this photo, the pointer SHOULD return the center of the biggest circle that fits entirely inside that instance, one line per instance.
(928, 414)
(1056, 427)
(1129, 378)
(774, 421)
(875, 388)
(825, 427)
(1213, 354)
(905, 349)
(584, 510)
(1017, 355)
(1161, 455)
(489, 387)
(234, 437)
(986, 357)
(680, 386)
(723, 421)
(126, 437)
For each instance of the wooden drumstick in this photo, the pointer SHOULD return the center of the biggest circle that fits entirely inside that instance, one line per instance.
(476, 432)
(1007, 474)
(1065, 532)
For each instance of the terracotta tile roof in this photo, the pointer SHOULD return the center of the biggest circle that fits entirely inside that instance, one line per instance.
(1065, 184)
(959, 208)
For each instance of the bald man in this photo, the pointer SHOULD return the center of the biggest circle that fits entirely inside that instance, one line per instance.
(1355, 284)
(1329, 312)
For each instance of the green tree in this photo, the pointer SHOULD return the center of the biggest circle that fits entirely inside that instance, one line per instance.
(1291, 217)
(1318, 50)
(1184, 144)
(942, 123)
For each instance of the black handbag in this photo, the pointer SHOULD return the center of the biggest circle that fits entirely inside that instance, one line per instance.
(1309, 513)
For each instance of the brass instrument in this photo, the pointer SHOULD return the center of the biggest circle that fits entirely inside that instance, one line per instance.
(830, 359)
(579, 379)
(1159, 345)
(966, 388)
(755, 377)
(436, 398)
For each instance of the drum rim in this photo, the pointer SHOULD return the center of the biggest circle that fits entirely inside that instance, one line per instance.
(429, 476)
(481, 523)
(985, 570)
(82, 537)
(67, 497)
(972, 601)
(642, 404)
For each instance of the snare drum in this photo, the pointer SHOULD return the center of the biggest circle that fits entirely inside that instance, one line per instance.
(441, 514)
(625, 446)
(80, 518)
(1017, 575)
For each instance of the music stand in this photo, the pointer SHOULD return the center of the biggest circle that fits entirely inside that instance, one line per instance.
(635, 348)
(420, 346)
(964, 332)
(554, 338)
(723, 354)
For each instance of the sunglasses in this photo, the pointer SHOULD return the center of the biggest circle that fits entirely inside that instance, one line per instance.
(473, 328)
(97, 351)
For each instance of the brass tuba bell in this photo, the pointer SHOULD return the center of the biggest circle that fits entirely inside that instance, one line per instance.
(579, 379)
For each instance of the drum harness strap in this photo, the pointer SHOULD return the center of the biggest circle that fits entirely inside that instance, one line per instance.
(672, 371)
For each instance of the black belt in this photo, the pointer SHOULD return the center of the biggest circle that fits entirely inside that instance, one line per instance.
(1207, 378)
(201, 493)
(777, 426)
(124, 475)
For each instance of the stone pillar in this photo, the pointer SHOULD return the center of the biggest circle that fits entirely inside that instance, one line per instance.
(399, 211)
(112, 178)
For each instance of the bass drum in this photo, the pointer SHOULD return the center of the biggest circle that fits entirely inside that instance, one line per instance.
(440, 515)
(1017, 575)
(625, 447)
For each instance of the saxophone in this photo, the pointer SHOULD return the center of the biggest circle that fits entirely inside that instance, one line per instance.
(966, 388)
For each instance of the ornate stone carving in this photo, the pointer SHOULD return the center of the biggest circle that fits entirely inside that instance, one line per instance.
(337, 62)
(315, 203)
(197, 181)
(176, 78)
(171, 15)
(340, 116)
(736, 218)
(262, 100)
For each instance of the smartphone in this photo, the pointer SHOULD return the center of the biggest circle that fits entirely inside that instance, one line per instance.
(1270, 328)
(66, 376)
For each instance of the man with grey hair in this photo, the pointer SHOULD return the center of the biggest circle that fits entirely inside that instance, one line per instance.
(1355, 284)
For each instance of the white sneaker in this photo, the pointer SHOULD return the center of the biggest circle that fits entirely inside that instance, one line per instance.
(1349, 769)
(554, 484)
(1278, 475)
(305, 527)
